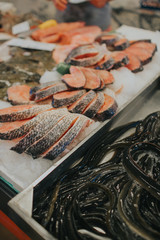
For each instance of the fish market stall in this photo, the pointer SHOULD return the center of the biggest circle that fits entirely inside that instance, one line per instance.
(64, 110)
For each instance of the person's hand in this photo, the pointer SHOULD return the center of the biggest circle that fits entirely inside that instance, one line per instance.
(99, 3)
(60, 4)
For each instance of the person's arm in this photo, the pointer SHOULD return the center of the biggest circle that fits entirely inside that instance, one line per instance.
(60, 4)
(99, 3)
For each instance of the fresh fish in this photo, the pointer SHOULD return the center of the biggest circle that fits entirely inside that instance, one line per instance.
(66, 98)
(82, 102)
(49, 120)
(49, 91)
(92, 80)
(21, 112)
(108, 109)
(68, 137)
(75, 79)
(19, 94)
(51, 137)
(94, 105)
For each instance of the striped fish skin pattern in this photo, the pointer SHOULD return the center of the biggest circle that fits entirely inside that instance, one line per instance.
(93, 108)
(71, 134)
(50, 91)
(49, 120)
(52, 136)
(25, 114)
(82, 104)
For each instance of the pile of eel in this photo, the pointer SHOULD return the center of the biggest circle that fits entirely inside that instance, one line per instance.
(112, 193)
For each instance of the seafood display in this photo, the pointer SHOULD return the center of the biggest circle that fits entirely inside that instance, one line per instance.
(41, 131)
(67, 33)
(113, 192)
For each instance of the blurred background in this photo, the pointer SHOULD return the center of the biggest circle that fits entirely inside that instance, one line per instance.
(127, 12)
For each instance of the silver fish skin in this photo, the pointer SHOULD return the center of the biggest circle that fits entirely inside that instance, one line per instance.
(25, 114)
(93, 108)
(50, 118)
(59, 87)
(24, 129)
(70, 135)
(52, 136)
(82, 104)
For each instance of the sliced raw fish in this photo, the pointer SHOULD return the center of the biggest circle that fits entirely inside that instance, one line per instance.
(68, 137)
(19, 94)
(40, 87)
(51, 39)
(139, 40)
(9, 131)
(105, 75)
(82, 102)
(89, 32)
(151, 47)
(76, 79)
(37, 132)
(108, 39)
(21, 112)
(66, 98)
(121, 44)
(134, 64)
(120, 58)
(94, 106)
(49, 91)
(93, 81)
(51, 137)
(106, 63)
(108, 109)
(89, 58)
(82, 51)
(143, 54)
(58, 28)
(62, 51)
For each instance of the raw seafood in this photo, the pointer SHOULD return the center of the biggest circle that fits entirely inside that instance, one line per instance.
(108, 109)
(66, 98)
(21, 112)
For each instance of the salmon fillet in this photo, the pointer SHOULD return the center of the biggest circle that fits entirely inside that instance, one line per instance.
(51, 137)
(58, 28)
(82, 102)
(94, 106)
(49, 119)
(67, 139)
(66, 98)
(19, 94)
(21, 112)
(92, 79)
(108, 109)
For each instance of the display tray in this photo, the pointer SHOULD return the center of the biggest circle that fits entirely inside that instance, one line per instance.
(21, 172)
(146, 103)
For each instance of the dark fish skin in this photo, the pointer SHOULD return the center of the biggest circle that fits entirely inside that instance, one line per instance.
(95, 105)
(59, 87)
(82, 104)
(81, 50)
(108, 41)
(90, 60)
(70, 135)
(56, 102)
(49, 120)
(52, 136)
(39, 87)
(119, 45)
(108, 113)
(24, 129)
(106, 65)
(25, 114)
